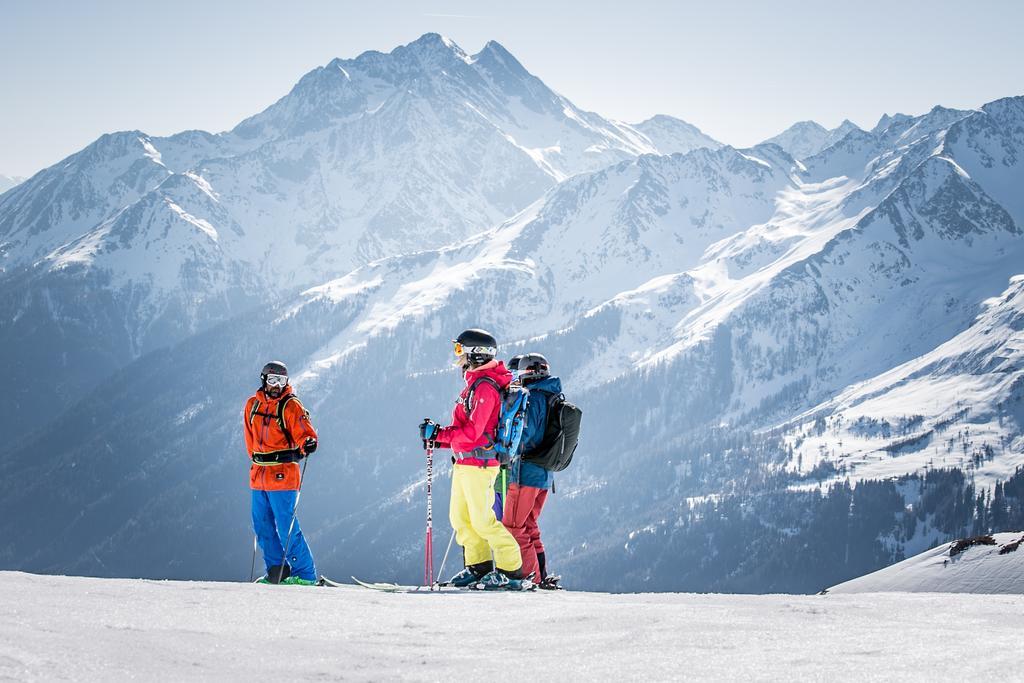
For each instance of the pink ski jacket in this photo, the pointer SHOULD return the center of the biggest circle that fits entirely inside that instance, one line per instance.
(474, 428)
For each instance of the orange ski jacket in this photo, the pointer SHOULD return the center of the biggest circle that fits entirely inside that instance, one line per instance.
(268, 423)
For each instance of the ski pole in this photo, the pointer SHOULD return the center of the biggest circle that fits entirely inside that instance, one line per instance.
(440, 572)
(428, 558)
(291, 524)
(252, 569)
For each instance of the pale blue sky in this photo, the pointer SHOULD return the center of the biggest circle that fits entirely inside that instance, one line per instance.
(741, 71)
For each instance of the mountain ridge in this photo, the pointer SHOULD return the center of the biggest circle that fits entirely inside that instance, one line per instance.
(363, 158)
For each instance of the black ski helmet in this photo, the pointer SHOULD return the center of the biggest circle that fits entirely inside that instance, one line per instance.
(479, 346)
(274, 367)
(533, 366)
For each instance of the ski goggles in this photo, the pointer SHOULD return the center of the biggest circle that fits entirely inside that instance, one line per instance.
(461, 350)
(532, 370)
(280, 381)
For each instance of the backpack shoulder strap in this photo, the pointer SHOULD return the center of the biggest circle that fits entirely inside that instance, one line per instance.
(468, 404)
(254, 410)
(551, 401)
(281, 421)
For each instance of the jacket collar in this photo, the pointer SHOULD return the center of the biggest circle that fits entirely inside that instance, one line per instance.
(265, 397)
(495, 369)
(551, 385)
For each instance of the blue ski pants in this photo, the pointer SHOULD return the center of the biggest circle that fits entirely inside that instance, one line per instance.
(272, 512)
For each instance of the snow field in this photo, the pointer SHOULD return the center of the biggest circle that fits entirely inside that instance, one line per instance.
(983, 568)
(116, 629)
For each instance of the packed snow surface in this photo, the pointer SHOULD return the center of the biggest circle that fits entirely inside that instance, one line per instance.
(995, 567)
(114, 629)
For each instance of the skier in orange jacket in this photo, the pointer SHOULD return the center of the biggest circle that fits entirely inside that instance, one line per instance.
(278, 433)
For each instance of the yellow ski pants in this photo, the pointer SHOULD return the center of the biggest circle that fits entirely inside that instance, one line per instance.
(471, 513)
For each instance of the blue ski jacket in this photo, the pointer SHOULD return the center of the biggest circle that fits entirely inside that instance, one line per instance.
(526, 473)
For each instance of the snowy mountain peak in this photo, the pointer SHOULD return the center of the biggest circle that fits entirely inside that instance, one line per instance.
(843, 129)
(671, 135)
(805, 127)
(803, 139)
(492, 49)
(428, 47)
(1005, 105)
(883, 122)
(886, 120)
(432, 50)
(433, 42)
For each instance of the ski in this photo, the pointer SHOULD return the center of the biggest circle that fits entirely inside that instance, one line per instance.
(443, 587)
(388, 587)
(324, 581)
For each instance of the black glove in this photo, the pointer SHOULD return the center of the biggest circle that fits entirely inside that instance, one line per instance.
(429, 430)
(309, 446)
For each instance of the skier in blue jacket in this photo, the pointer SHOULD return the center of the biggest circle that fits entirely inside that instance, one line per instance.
(529, 483)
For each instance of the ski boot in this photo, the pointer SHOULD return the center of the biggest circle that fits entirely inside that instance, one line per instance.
(517, 582)
(277, 573)
(550, 583)
(502, 580)
(298, 581)
(471, 574)
(493, 581)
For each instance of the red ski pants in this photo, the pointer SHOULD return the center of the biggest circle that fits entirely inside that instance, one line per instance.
(521, 512)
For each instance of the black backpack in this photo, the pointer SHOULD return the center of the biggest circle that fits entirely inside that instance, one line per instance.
(292, 454)
(561, 436)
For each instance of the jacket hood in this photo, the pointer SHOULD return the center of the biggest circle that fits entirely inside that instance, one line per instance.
(550, 385)
(494, 369)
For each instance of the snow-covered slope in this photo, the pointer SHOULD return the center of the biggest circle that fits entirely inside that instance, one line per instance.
(69, 627)
(578, 253)
(987, 564)
(958, 405)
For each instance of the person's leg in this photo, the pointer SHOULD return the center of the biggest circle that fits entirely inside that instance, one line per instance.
(265, 529)
(499, 505)
(518, 521)
(475, 548)
(532, 529)
(300, 559)
(478, 492)
(500, 493)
